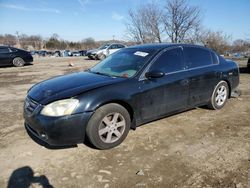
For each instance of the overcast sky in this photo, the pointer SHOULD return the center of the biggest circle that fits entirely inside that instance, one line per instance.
(101, 19)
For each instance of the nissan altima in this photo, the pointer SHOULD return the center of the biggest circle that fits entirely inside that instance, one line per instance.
(129, 88)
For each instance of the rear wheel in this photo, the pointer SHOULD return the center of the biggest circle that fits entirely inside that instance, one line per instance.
(18, 62)
(109, 126)
(219, 96)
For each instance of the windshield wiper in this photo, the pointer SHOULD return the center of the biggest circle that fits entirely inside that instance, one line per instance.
(101, 73)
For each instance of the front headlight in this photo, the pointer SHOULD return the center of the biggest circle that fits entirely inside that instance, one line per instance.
(60, 108)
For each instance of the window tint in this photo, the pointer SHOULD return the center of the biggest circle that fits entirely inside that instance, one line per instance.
(197, 57)
(215, 58)
(114, 46)
(169, 61)
(4, 50)
(120, 46)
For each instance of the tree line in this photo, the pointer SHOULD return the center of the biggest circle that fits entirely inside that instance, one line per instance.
(177, 22)
(36, 42)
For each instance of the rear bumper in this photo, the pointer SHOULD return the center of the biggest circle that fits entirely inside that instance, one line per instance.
(58, 131)
(28, 59)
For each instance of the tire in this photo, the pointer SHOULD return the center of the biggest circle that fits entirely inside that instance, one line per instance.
(219, 96)
(109, 126)
(101, 56)
(18, 62)
(90, 57)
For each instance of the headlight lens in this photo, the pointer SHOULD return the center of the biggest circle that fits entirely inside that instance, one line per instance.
(60, 108)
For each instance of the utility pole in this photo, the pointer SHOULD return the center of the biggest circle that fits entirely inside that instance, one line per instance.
(113, 38)
(18, 41)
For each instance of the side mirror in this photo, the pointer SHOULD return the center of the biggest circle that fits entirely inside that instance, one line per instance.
(154, 74)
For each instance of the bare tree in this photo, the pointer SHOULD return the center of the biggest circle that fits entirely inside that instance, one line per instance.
(88, 43)
(8, 39)
(144, 24)
(241, 45)
(135, 27)
(216, 40)
(180, 20)
(152, 18)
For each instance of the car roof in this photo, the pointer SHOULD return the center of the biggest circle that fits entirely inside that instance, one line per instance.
(6, 47)
(160, 46)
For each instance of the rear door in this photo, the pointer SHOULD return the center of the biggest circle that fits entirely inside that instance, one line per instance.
(202, 75)
(168, 94)
(5, 56)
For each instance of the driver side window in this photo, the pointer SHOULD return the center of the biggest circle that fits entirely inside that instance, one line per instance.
(170, 61)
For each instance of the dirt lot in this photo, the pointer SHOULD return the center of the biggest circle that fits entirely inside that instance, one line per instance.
(198, 148)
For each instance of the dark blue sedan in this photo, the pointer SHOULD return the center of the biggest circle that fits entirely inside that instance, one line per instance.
(129, 88)
(14, 56)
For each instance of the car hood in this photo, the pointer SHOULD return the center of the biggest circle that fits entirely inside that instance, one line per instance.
(68, 86)
(92, 51)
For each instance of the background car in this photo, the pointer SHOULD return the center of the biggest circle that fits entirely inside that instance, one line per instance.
(131, 87)
(248, 65)
(76, 53)
(83, 52)
(104, 51)
(42, 53)
(57, 53)
(14, 56)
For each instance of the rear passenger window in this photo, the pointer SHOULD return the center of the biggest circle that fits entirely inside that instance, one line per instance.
(4, 50)
(120, 46)
(197, 57)
(114, 46)
(169, 61)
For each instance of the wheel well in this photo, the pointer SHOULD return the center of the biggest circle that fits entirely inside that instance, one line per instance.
(127, 107)
(229, 87)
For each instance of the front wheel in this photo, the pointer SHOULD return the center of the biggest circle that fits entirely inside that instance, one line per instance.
(101, 56)
(109, 126)
(18, 62)
(219, 96)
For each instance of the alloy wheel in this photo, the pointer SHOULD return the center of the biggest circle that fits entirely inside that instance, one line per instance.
(112, 127)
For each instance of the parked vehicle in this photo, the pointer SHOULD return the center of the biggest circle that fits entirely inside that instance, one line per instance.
(42, 53)
(104, 51)
(66, 53)
(57, 53)
(248, 64)
(83, 52)
(134, 86)
(14, 56)
(76, 53)
(33, 52)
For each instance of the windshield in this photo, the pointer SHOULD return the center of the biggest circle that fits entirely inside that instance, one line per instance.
(124, 63)
(104, 46)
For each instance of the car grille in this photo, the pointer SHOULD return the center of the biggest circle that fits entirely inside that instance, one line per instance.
(30, 105)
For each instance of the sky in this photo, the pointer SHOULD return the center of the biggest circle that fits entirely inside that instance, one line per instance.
(104, 19)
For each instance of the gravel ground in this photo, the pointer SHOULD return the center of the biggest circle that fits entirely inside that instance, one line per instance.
(197, 148)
